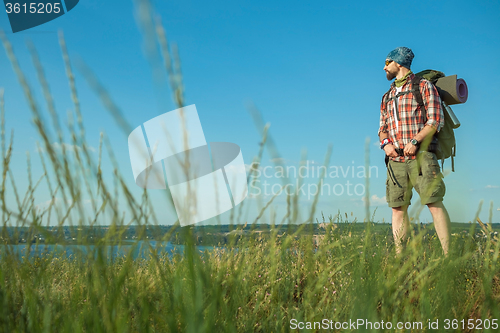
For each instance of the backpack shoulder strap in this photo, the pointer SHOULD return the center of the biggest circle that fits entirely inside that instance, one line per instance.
(415, 89)
(415, 85)
(385, 98)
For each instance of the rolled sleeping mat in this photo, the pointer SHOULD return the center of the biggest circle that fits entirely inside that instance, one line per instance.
(452, 90)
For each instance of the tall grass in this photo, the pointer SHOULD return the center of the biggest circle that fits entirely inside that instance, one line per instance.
(256, 282)
(258, 286)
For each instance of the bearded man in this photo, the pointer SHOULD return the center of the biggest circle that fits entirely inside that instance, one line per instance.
(404, 126)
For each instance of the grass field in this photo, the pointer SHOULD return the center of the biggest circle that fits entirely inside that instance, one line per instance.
(262, 285)
(289, 277)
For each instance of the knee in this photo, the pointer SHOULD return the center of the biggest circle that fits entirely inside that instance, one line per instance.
(435, 206)
(399, 210)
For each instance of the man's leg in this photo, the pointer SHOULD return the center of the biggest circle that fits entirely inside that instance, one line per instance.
(441, 223)
(398, 193)
(431, 188)
(400, 226)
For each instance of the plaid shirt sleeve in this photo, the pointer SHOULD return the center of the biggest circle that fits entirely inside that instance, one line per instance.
(432, 101)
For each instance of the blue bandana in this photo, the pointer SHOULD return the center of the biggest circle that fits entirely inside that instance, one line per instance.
(402, 55)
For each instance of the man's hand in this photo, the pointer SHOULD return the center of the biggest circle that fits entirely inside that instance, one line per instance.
(410, 149)
(390, 150)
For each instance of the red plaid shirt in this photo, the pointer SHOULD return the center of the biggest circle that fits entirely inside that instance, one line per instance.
(411, 118)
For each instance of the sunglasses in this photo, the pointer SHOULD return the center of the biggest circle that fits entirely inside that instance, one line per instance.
(387, 62)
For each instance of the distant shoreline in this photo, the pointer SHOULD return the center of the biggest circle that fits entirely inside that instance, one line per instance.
(209, 235)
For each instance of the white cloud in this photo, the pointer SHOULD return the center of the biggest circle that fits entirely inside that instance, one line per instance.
(53, 201)
(375, 200)
(47, 203)
(492, 186)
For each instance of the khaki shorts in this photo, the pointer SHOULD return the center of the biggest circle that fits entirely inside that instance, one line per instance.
(422, 173)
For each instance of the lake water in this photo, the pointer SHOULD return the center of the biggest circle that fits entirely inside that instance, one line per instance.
(140, 249)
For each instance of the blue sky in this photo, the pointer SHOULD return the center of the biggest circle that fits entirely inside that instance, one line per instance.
(313, 69)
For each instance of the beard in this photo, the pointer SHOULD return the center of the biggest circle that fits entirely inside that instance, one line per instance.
(390, 75)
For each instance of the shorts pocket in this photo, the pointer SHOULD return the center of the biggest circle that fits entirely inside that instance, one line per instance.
(432, 183)
(430, 166)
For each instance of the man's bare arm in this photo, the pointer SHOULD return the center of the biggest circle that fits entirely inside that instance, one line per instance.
(426, 133)
(383, 135)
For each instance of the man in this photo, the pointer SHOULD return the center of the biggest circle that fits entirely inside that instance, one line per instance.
(404, 126)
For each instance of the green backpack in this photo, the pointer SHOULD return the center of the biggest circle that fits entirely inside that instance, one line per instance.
(445, 137)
